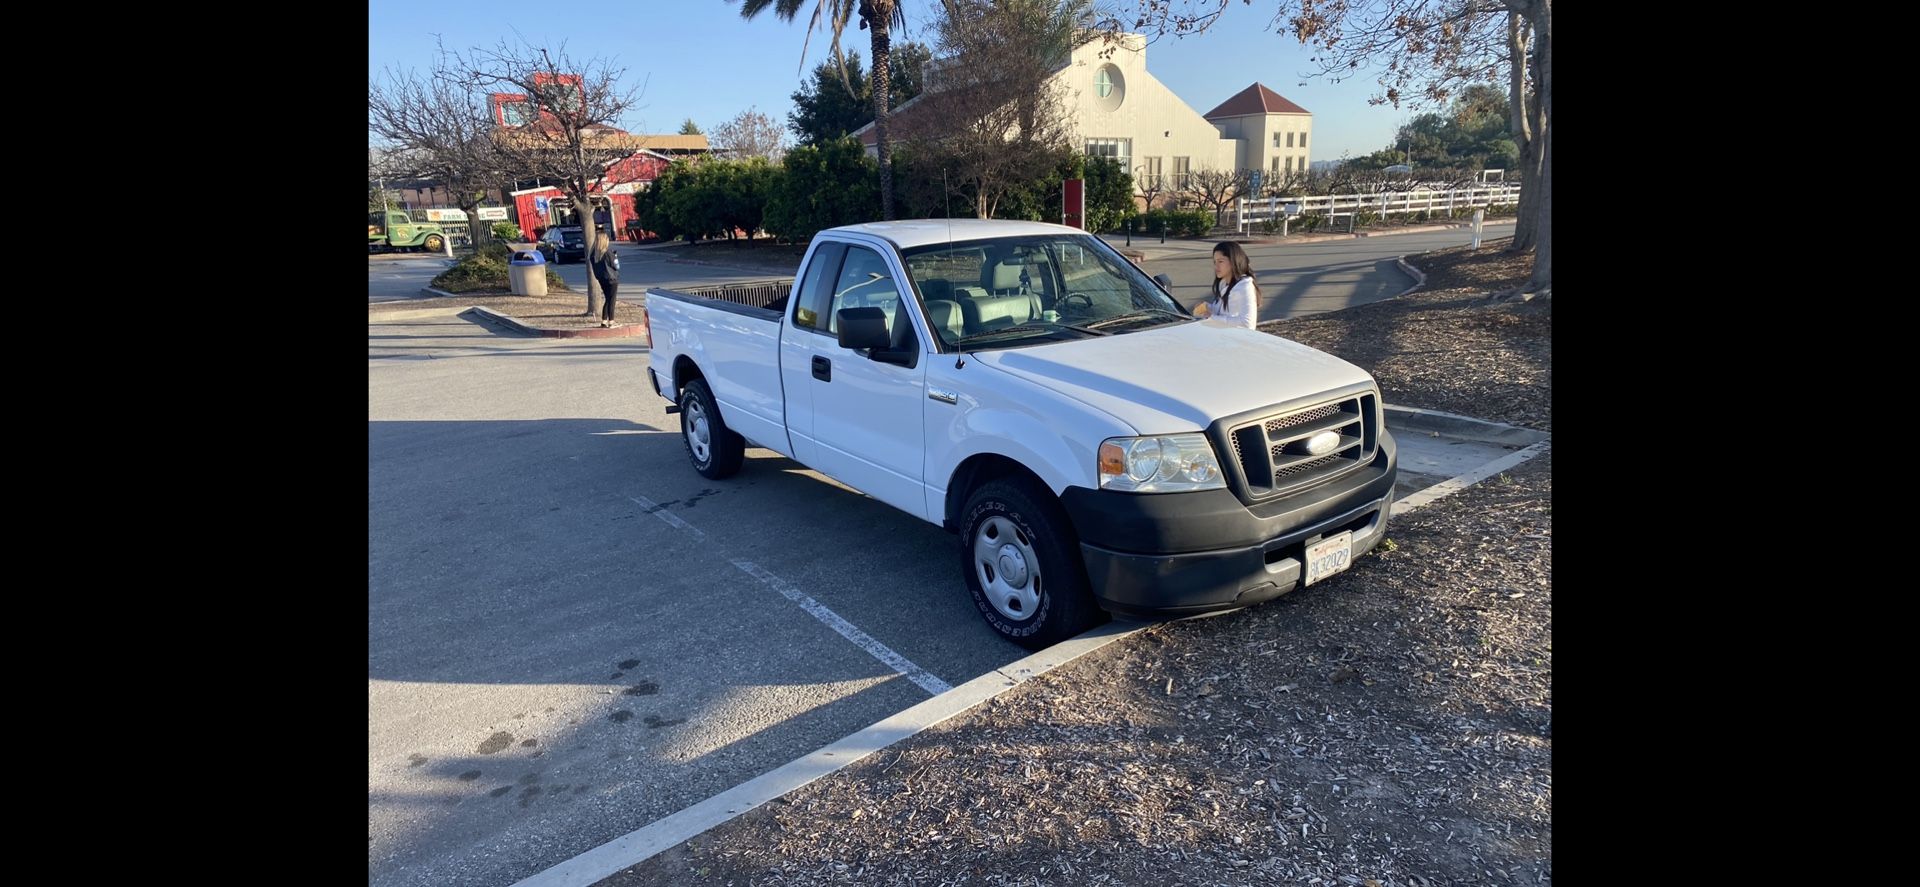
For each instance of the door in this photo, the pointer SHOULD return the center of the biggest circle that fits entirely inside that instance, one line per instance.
(867, 421)
(804, 337)
(399, 229)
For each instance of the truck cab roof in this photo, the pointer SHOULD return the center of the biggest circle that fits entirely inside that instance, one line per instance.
(927, 232)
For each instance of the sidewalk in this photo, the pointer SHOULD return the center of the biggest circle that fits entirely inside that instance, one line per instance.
(1151, 246)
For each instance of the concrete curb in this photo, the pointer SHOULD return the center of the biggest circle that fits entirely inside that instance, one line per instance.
(1419, 276)
(623, 331)
(638, 846)
(1434, 421)
(1455, 484)
(412, 314)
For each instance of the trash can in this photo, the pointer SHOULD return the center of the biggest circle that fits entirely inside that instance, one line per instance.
(527, 273)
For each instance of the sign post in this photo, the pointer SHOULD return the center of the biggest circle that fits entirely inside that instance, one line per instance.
(1073, 203)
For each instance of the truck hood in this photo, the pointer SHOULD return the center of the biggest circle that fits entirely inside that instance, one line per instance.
(1179, 377)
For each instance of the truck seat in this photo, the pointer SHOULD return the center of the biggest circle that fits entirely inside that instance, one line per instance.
(946, 318)
(993, 312)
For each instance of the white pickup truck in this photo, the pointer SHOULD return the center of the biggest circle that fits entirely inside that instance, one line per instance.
(1096, 448)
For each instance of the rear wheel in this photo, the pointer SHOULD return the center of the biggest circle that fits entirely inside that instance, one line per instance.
(716, 450)
(1022, 563)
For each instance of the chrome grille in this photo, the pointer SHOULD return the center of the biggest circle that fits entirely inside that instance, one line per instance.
(1275, 426)
(1288, 466)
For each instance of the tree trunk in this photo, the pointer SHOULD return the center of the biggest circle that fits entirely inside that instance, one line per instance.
(882, 95)
(589, 232)
(1521, 114)
(1543, 236)
(479, 233)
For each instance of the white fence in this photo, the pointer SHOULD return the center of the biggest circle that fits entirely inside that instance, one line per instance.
(1333, 206)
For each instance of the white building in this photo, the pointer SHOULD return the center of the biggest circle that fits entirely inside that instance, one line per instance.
(1272, 132)
(1120, 110)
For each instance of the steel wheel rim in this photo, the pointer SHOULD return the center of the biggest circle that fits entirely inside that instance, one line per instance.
(1008, 567)
(699, 435)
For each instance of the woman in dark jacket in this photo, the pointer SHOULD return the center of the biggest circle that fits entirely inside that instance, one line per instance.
(605, 264)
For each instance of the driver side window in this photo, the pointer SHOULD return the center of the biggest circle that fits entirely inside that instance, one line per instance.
(866, 282)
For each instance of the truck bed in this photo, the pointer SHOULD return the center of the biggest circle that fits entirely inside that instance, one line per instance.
(740, 361)
(769, 296)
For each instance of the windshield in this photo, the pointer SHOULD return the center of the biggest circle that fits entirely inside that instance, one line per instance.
(1012, 291)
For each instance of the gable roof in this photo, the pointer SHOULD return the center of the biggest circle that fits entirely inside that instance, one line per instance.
(1255, 99)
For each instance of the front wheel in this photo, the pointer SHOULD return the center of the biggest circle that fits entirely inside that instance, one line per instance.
(1022, 563)
(434, 243)
(715, 449)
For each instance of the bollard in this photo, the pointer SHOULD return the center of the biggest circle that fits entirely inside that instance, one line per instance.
(1478, 216)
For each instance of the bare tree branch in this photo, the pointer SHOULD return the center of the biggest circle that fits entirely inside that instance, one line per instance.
(440, 132)
(570, 133)
(751, 134)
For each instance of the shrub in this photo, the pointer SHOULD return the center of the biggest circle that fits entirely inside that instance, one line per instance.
(822, 186)
(486, 271)
(506, 231)
(1192, 223)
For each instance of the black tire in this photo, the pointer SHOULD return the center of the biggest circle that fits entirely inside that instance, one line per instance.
(1009, 527)
(434, 243)
(716, 451)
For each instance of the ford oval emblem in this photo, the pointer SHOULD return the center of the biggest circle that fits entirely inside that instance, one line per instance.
(1322, 443)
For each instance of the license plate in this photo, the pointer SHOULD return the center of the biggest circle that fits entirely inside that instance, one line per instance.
(1329, 556)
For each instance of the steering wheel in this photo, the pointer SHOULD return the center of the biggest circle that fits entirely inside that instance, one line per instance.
(1085, 301)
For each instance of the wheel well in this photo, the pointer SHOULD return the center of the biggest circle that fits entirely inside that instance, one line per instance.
(684, 371)
(977, 470)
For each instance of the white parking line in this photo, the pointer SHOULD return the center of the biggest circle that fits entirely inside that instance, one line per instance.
(1456, 484)
(814, 608)
(669, 517)
(847, 630)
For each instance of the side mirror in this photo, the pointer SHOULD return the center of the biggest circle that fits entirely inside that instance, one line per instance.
(1164, 281)
(862, 328)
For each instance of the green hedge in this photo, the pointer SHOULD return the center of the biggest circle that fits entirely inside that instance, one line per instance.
(1178, 222)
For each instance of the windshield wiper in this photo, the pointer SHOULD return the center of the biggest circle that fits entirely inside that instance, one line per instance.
(1024, 329)
(1142, 314)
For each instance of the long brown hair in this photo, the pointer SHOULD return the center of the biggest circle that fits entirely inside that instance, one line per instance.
(1242, 267)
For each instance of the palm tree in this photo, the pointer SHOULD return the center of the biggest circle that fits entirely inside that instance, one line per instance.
(877, 17)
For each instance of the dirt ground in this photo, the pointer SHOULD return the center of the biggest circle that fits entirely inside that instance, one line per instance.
(1390, 726)
(563, 310)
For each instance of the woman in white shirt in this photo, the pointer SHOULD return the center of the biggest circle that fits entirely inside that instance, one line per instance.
(1235, 300)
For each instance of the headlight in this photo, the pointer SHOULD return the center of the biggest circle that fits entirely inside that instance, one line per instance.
(1171, 463)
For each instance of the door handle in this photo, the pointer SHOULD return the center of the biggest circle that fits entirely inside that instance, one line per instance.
(822, 369)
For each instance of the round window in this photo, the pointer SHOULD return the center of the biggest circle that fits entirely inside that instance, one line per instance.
(1109, 87)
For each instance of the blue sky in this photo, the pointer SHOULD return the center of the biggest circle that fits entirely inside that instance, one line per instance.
(699, 59)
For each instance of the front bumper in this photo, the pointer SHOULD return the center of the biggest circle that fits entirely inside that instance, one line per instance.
(1162, 554)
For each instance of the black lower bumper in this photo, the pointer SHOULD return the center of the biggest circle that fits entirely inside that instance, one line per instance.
(1160, 555)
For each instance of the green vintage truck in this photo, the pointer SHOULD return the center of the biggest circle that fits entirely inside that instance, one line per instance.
(396, 229)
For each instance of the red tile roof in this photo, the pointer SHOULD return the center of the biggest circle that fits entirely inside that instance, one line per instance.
(1255, 99)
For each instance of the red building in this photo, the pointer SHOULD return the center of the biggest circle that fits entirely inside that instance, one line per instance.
(534, 207)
